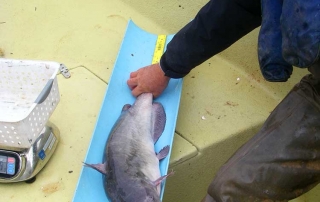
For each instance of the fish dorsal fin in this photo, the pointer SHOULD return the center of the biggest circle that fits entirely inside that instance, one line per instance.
(158, 120)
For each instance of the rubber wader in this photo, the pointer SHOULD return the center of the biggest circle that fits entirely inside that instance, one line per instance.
(282, 161)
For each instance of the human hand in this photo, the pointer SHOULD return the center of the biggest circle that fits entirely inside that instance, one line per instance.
(149, 79)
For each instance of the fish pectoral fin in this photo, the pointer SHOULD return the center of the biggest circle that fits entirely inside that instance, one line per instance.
(163, 152)
(162, 178)
(158, 120)
(126, 107)
(101, 167)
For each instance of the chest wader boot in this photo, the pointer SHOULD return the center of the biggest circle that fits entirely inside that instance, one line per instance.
(282, 161)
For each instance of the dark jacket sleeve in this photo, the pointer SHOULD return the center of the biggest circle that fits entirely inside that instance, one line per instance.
(218, 25)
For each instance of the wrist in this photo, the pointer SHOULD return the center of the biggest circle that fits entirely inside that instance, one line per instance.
(169, 72)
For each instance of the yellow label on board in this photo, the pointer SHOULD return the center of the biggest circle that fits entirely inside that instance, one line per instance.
(158, 51)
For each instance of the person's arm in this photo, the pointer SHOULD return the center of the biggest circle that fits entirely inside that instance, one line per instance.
(216, 26)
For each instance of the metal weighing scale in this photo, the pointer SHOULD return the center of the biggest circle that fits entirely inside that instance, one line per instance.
(28, 96)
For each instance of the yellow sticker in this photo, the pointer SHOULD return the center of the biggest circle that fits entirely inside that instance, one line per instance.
(158, 51)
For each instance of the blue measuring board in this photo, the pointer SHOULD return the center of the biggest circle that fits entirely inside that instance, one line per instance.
(136, 51)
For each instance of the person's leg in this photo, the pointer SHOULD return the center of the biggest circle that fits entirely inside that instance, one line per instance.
(272, 64)
(300, 26)
(208, 198)
(282, 161)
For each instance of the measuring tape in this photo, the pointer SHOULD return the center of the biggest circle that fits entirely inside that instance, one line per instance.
(158, 51)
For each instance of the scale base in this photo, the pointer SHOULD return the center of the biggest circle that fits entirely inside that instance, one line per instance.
(24, 165)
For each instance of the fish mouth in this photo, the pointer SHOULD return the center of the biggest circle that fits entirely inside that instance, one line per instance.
(145, 96)
(143, 102)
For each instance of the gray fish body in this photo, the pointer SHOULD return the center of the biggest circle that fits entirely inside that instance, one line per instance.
(132, 165)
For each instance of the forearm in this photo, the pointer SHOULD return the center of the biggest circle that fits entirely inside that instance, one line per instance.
(218, 25)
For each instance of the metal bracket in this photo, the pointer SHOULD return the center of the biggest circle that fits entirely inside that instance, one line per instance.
(64, 71)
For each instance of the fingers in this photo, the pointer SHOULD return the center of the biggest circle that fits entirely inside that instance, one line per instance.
(132, 82)
(133, 74)
(136, 91)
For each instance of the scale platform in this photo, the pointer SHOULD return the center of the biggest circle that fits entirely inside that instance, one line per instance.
(137, 50)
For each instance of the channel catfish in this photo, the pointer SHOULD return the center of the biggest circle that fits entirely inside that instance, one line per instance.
(131, 168)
